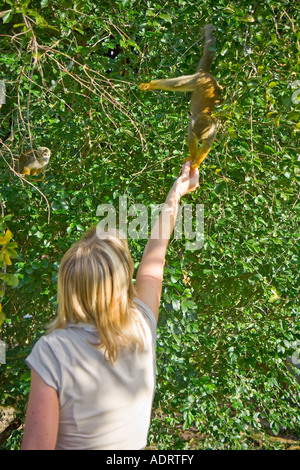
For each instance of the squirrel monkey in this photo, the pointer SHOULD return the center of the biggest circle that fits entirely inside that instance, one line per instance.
(34, 162)
(206, 93)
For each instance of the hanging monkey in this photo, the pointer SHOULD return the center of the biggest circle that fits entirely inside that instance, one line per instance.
(206, 94)
(34, 162)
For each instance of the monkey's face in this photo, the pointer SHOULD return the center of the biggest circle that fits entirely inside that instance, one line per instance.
(44, 154)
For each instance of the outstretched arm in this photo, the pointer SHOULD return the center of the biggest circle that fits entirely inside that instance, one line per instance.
(150, 272)
(185, 83)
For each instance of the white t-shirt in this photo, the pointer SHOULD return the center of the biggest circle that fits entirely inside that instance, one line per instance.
(102, 407)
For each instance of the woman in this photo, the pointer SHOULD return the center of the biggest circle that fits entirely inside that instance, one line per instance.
(93, 373)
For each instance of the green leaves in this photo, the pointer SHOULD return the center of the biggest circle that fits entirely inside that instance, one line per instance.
(72, 78)
(7, 253)
(6, 16)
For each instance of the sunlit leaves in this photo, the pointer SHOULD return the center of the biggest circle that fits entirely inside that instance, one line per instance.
(226, 309)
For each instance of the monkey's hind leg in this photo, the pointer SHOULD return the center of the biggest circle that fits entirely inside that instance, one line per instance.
(25, 171)
(40, 178)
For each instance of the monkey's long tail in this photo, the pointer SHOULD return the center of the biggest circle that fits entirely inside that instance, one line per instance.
(209, 49)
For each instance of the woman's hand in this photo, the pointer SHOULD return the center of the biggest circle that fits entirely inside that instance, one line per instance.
(187, 181)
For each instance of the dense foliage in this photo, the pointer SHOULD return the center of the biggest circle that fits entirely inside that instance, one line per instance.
(230, 311)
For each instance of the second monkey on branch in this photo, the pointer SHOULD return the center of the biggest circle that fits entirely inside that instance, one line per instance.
(206, 94)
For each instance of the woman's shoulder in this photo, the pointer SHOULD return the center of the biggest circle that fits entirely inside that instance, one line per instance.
(55, 340)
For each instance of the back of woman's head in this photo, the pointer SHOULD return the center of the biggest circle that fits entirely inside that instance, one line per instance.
(95, 286)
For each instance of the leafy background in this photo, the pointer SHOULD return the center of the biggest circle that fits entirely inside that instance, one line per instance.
(229, 315)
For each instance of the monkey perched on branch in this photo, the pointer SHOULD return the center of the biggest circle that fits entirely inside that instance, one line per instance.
(206, 94)
(34, 162)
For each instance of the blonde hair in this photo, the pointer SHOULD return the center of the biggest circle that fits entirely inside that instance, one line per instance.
(95, 286)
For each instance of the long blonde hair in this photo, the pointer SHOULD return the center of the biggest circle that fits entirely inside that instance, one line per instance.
(95, 286)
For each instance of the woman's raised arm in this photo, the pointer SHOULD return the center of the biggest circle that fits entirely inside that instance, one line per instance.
(150, 272)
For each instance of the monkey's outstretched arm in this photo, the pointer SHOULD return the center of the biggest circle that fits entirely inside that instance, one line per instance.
(184, 83)
(187, 83)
